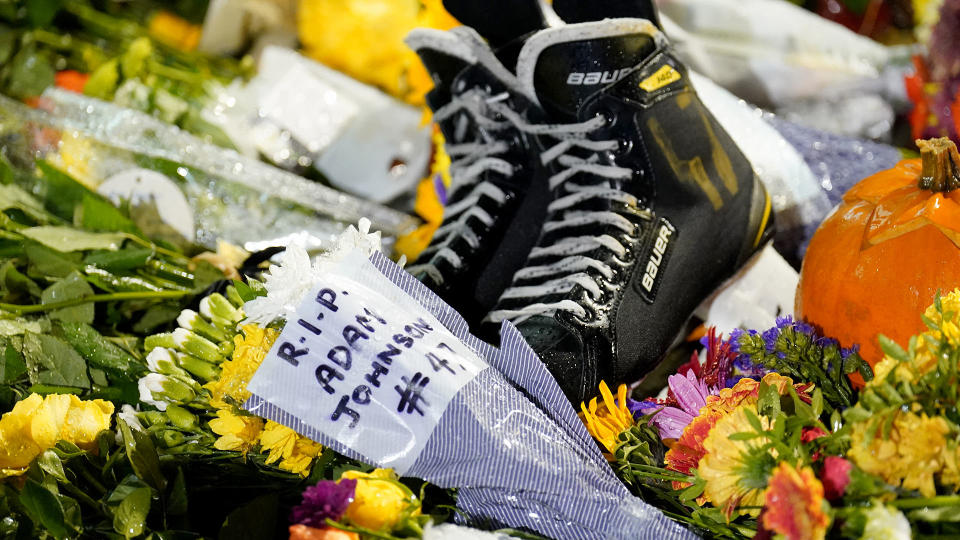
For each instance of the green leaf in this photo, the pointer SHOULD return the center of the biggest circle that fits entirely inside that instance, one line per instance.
(768, 403)
(44, 508)
(119, 261)
(8, 43)
(69, 288)
(42, 12)
(12, 366)
(128, 485)
(97, 350)
(13, 282)
(133, 61)
(46, 262)
(252, 521)
(129, 518)
(246, 293)
(67, 239)
(49, 462)
(744, 436)
(30, 73)
(892, 350)
(51, 361)
(754, 420)
(98, 377)
(63, 194)
(779, 427)
(817, 402)
(205, 274)
(19, 326)
(692, 492)
(14, 197)
(177, 498)
(103, 81)
(143, 456)
(155, 316)
(99, 214)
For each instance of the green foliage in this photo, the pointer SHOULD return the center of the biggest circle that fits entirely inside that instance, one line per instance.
(805, 357)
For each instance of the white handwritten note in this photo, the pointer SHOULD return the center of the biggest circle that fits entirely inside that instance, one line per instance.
(365, 364)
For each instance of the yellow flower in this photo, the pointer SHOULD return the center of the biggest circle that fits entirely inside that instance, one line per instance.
(236, 432)
(228, 258)
(36, 424)
(299, 461)
(235, 374)
(295, 450)
(915, 451)
(732, 482)
(607, 421)
(379, 502)
(174, 31)
(278, 440)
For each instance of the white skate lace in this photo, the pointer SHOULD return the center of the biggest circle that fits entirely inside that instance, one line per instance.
(553, 270)
(469, 162)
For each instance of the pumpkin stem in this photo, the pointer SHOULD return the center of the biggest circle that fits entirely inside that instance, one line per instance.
(941, 164)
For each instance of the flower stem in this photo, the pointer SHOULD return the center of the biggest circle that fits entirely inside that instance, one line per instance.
(942, 500)
(664, 474)
(20, 309)
(83, 497)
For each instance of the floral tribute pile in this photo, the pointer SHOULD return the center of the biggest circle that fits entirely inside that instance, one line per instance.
(765, 435)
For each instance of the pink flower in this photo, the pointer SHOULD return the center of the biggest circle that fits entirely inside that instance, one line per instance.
(835, 477)
(691, 395)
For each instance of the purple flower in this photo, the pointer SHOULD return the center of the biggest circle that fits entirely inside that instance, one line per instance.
(846, 352)
(327, 499)
(691, 396)
(640, 409)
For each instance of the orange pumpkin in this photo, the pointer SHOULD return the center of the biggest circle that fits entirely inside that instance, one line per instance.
(879, 259)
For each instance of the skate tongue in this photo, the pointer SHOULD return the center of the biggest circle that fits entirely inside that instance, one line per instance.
(563, 66)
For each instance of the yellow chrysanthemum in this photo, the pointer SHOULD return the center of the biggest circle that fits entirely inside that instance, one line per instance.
(250, 349)
(36, 424)
(731, 482)
(915, 451)
(379, 502)
(294, 451)
(304, 452)
(278, 440)
(237, 432)
(608, 420)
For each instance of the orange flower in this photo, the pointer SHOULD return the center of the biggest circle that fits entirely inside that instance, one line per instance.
(687, 451)
(794, 504)
(685, 454)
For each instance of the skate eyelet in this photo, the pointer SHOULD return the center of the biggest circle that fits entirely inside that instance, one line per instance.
(609, 119)
(624, 146)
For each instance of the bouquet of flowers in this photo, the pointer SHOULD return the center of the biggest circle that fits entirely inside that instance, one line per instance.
(766, 435)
